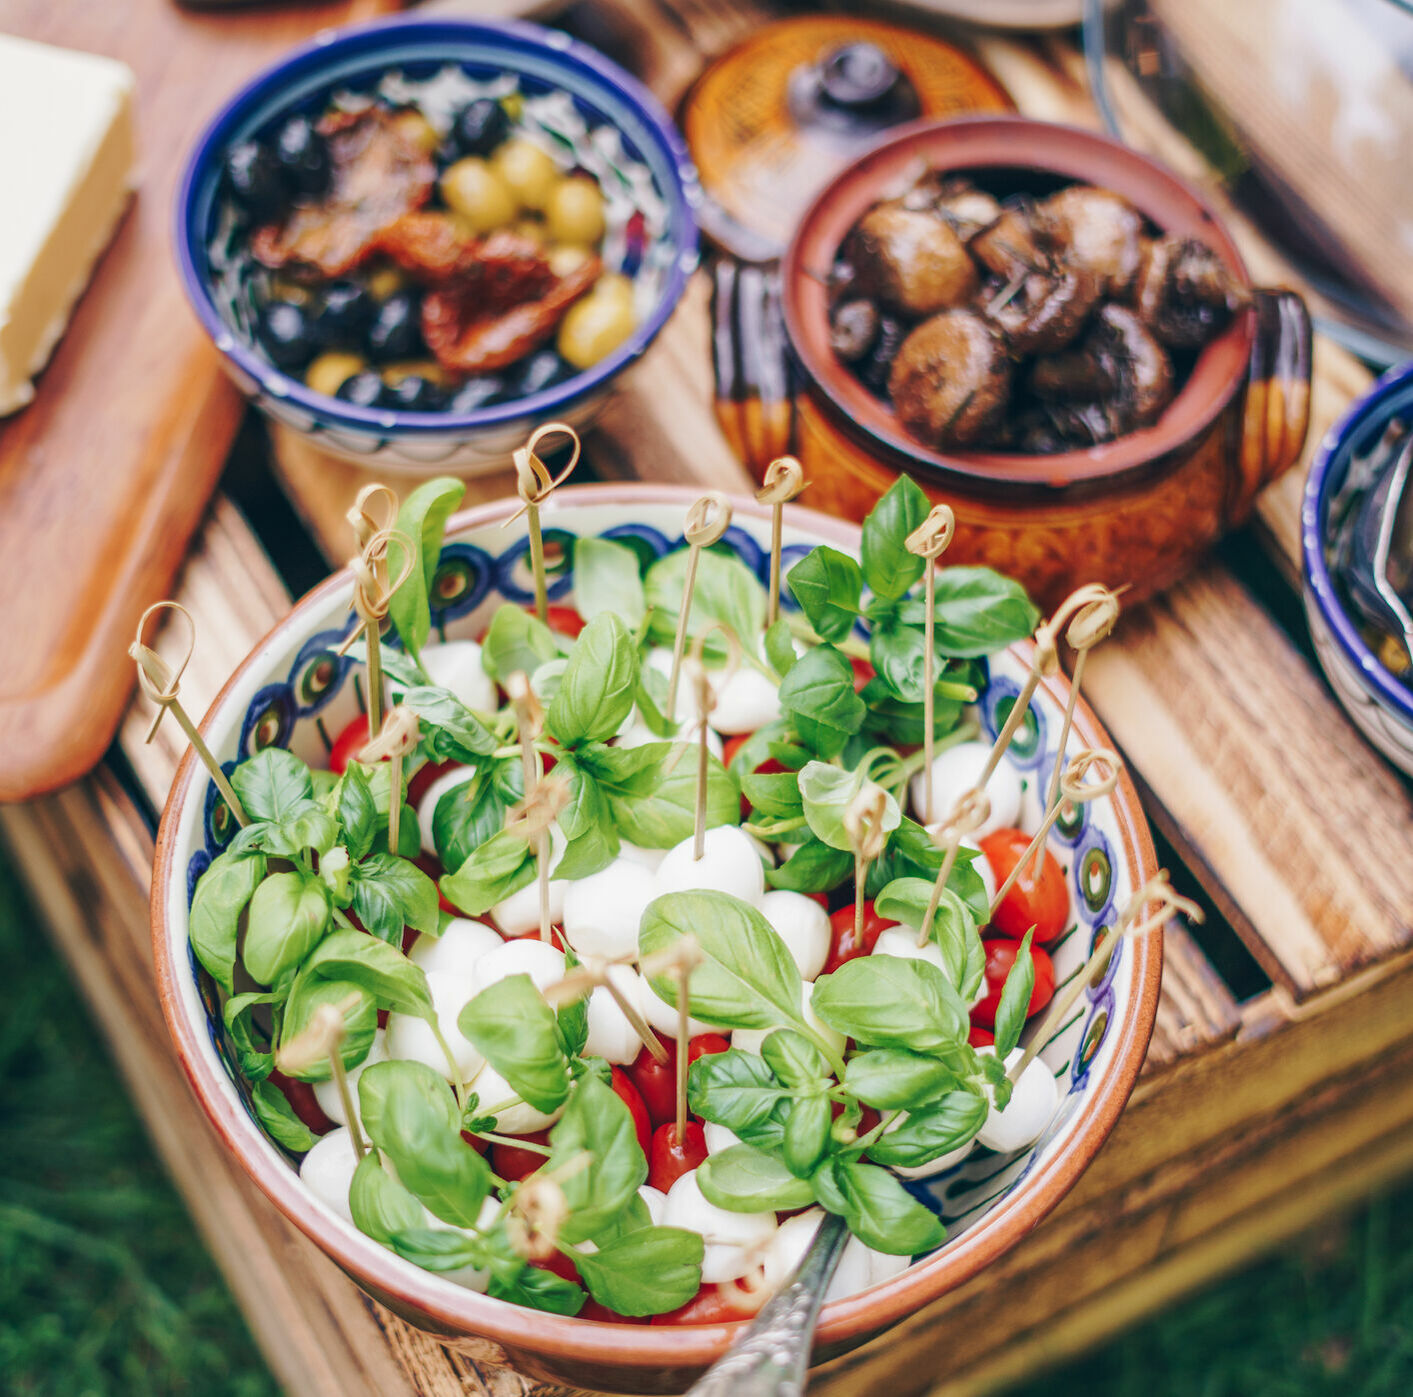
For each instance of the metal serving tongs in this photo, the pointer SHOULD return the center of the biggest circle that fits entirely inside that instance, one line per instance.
(1393, 551)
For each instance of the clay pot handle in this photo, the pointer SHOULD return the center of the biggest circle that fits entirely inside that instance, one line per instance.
(1276, 409)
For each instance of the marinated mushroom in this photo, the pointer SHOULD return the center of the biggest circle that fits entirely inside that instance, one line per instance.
(1045, 311)
(853, 327)
(1006, 246)
(910, 261)
(951, 380)
(1184, 292)
(1095, 229)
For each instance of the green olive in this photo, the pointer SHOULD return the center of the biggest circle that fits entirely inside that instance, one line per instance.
(479, 197)
(594, 327)
(329, 372)
(386, 280)
(530, 228)
(563, 258)
(420, 132)
(574, 213)
(527, 171)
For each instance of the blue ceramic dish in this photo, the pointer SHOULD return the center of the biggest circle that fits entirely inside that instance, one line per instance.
(610, 124)
(1380, 706)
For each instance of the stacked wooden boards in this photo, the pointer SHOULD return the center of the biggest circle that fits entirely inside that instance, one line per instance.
(1253, 1116)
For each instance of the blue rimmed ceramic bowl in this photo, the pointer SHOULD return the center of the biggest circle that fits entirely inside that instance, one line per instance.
(1379, 705)
(293, 690)
(610, 125)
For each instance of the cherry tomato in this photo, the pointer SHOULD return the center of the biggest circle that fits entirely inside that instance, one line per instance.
(303, 1102)
(515, 1164)
(671, 1157)
(1039, 898)
(561, 1265)
(431, 771)
(593, 1310)
(475, 1141)
(657, 1082)
(980, 1037)
(348, 744)
(719, 1304)
(564, 619)
(556, 937)
(863, 671)
(844, 945)
(629, 1095)
(1000, 956)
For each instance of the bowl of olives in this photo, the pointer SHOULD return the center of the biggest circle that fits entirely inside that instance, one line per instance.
(413, 239)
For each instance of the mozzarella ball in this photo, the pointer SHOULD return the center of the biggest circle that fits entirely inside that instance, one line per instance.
(456, 665)
(650, 859)
(468, 1277)
(1034, 1101)
(329, 1097)
(520, 912)
(749, 1040)
(718, 1138)
(729, 863)
(611, 1036)
(957, 771)
(983, 866)
(735, 1242)
(656, 1200)
(602, 912)
(410, 1039)
(462, 943)
(901, 941)
(427, 808)
(537, 959)
(939, 1165)
(663, 1016)
(787, 1248)
(327, 1170)
(745, 702)
(498, 1098)
(803, 925)
(639, 734)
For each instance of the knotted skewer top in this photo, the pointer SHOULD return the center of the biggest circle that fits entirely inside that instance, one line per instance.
(396, 738)
(971, 811)
(158, 680)
(1094, 612)
(931, 538)
(541, 807)
(707, 520)
(863, 822)
(1104, 765)
(373, 587)
(533, 481)
(1157, 889)
(529, 710)
(366, 520)
(784, 479)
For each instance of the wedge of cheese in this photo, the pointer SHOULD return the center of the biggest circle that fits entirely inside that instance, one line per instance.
(66, 170)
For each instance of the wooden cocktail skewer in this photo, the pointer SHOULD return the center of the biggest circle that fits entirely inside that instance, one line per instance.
(863, 823)
(372, 596)
(706, 521)
(162, 684)
(784, 479)
(362, 518)
(529, 722)
(589, 976)
(1094, 620)
(534, 485)
(968, 815)
(395, 740)
(323, 1038)
(533, 816)
(1075, 788)
(1155, 889)
(705, 696)
(1043, 663)
(929, 542)
(689, 956)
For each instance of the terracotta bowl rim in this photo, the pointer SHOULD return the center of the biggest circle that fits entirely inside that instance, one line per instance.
(1218, 373)
(646, 1347)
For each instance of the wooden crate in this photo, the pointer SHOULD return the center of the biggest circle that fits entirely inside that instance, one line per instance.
(1254, 1116)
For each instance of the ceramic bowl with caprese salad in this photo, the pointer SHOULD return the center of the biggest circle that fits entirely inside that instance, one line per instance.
(503, 1157)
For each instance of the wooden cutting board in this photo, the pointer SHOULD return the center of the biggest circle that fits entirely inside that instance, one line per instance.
(104, 477)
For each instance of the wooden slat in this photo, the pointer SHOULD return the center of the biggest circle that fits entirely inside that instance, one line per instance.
(1196, 1010)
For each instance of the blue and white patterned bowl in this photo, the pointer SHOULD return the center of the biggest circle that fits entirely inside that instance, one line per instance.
(294, 691)
(584, 106)
(1379, 705)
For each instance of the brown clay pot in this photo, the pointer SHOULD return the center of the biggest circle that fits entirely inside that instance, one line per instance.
(1137, 511)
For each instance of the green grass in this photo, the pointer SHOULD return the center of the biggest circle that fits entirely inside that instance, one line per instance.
(106, 1291)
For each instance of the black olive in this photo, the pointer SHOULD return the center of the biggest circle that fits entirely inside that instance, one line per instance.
(852, 328)
(344, 314)
(480, 127)
(540, 371)
(365, 389)
(416, 394)
(304, 156)
(876, 367)
(285, 333)
(396, 331)
(254, 179)
(476, 393)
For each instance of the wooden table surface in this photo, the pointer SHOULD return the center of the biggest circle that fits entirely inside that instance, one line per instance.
(1270, 1096)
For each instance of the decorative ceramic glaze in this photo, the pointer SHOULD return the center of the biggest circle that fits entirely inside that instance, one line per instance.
(580, 102)
(1380, 706)
(294, 691)
(1136, 511)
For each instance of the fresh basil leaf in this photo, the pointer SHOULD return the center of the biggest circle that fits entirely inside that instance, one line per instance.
(390, 893)
(607, 582)
(465, 817)
(592, 842)
(588, 853)
(422, 520)
(534, 1289)
(307, 826)
(221, 895)
(726, 593)
(890, 1002)
(308, 993)
(954, 930)
(663, 816)
(357, 812)
(597, 1121)
(910, 853)
(880, 1212)
(516, 1031)
(794, 1059)
(738, 1090)
(776, 794)
(932, 1131)
(898, 651)
(829, 587)
(895, 722)
(380, 1205)
(806, 1135)
(1015, 999)
(289, 912)
(571, 1022)
(275, 1113)
(819, 696)
(647, 1272)
(780, 648)
(516, 643)
(826, 793)
(742, 1179)
(255, 1062)
(596, 693)
(888, 567)
(451, 732)
(271, 784)
(813, 868)
(437, 1249)
(747, 978)
(894, 1079)
(502, 865)
(378, 969)
(978, 611)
